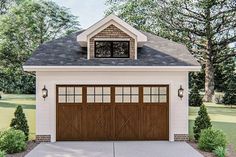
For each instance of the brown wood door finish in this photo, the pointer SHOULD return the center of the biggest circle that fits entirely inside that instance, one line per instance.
(106, 112)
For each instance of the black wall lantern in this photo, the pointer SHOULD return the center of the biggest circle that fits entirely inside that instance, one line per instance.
(44, 92)
(181, 92)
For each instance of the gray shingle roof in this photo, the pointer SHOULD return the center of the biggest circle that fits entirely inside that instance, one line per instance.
(66, 51)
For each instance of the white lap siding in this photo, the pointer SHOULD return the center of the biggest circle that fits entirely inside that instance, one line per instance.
(46, 109)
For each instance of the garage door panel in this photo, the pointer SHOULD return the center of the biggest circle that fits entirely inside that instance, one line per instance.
(69, 122)
(98, 122)
(107, 112)
(127, 122)
(154, 122)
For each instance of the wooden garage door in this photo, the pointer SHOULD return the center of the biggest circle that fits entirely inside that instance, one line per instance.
(105, 112)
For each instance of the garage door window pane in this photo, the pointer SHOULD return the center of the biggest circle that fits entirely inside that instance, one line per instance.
(163, 98)
(62, 94)
(135, 98)
(106, 90)
(98, 98)
(146, 90)
(119, 98)
(90, 90)
(62, 90)
(155, 90)
(126, 90)
(78, 98)
(154, 94)
(154, 98)
(98, 94)
(90, 98)
(78, 94)
(70, 99)
(107, 99)
(118, 90)
(70, 90)
(61, 99)
(134, 90)
(126, 94)
(70, 94)
(98, 90)
(146, 99)
(163, 90)
(78, 90)
(126, 98)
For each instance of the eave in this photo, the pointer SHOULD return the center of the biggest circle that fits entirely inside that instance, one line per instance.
(111, 68)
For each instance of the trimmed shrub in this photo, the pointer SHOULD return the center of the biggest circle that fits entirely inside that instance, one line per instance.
(2, 153)
(202, 122)
(210, 139)
(195, 99)
(12, 141)
(19, 122)
(219, 151)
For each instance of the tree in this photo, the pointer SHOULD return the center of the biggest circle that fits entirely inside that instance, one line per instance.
(195, 98)
(22, 29)
(19, 122)
(197, 78)
(5, 5)
(207, 27)
(223, 73)
(201, 122)
(230, 93)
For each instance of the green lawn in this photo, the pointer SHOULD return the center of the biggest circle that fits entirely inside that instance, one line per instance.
(8, 104)
(222, 117)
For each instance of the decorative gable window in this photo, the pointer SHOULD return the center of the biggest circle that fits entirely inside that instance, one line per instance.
(112, 49)
(112, 37)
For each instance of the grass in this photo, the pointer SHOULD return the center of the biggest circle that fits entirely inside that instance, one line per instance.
(8, 104)
(223, 117)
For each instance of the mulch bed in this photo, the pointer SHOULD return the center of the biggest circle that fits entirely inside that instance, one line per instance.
(229, 152)
(30, 145)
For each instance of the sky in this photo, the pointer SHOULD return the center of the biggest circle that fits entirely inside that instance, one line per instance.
(88, 11)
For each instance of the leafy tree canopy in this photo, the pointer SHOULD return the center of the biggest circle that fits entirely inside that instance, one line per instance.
(22, 29)
(207, 27)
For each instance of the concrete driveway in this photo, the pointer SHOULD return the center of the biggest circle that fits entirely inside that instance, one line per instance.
(114, 149)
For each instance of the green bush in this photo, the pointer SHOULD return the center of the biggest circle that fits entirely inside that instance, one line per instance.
(2, 153)
(210, 139)
(12, 141)
(195, 99)
(19, 122)
(230, 93)
(202, 122)
(219, 151)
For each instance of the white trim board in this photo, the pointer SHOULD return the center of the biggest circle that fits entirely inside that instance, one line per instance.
(112, 68)
(82, 38)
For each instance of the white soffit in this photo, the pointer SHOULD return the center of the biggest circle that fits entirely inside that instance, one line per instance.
(83, 37)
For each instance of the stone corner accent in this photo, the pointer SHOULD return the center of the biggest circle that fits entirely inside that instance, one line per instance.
(181, 137)
(43, 138)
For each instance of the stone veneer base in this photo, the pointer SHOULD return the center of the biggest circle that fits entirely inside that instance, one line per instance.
(181, 137)
(43, 138)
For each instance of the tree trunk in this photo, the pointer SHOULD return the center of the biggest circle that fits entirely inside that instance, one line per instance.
(209, 81)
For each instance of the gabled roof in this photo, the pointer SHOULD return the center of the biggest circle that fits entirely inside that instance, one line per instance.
(105, 22)
(67, 52)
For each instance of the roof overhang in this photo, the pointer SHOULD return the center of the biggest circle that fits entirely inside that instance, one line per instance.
(111, 68)
(105, 22)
